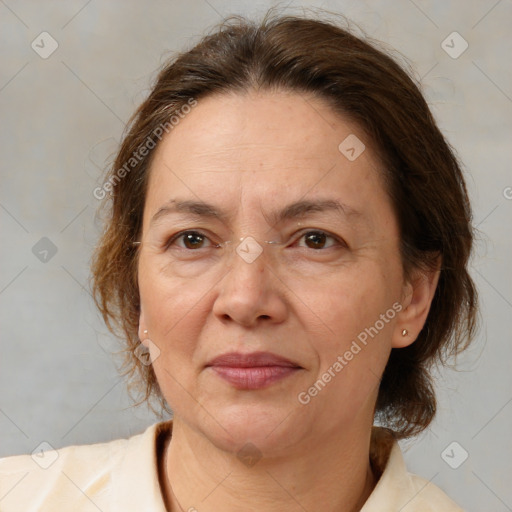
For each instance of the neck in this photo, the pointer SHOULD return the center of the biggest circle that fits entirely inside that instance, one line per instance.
(334, 475)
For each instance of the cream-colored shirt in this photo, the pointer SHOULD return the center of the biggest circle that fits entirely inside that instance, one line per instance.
(122, 475)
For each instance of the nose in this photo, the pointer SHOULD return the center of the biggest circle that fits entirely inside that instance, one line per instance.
(250, 292)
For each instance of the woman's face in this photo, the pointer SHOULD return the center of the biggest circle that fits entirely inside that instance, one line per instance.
(249, 169)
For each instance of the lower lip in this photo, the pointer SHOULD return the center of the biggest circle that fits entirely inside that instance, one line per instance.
(257, 377)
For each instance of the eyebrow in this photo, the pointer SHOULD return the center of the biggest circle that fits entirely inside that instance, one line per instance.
(292, 211)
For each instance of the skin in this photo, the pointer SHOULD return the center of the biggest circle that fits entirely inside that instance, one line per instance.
(307, 301)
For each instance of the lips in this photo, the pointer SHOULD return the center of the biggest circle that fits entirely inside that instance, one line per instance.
(253, 371)
(255, 359)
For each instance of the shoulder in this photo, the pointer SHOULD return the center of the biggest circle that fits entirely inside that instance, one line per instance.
(428, 497)
(397, 489)
(44, 458)
(80, 475)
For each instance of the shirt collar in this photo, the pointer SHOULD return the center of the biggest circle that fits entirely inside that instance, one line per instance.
(136, 483)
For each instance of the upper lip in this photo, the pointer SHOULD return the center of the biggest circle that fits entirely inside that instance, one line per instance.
(254, 359)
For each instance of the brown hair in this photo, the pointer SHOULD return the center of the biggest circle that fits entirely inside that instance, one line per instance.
(422, 175)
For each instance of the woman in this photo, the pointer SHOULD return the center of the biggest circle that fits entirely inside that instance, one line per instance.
(285, 255)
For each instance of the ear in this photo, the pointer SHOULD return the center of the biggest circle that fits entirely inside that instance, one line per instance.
(417, 296)
(143, 334)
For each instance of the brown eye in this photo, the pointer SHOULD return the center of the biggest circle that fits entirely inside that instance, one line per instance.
(193, 240)
(190, 240)
(317, 240)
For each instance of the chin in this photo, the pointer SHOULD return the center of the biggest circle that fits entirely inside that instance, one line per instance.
(269, 428)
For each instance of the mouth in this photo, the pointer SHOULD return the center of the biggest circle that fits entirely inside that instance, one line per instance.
(252, 371)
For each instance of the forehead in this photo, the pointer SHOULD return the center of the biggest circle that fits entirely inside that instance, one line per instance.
(279, 125)
(275, 147)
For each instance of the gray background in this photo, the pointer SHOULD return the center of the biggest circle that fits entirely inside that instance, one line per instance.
(60, 119)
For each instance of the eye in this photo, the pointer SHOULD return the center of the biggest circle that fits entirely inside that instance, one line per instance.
(191, 240)
(317, 240)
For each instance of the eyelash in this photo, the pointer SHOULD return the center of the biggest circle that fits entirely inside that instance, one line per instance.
(181, 234)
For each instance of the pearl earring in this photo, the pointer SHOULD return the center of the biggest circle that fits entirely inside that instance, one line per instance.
(405, 332)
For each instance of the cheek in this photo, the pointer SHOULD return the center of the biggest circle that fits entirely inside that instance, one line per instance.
(173, 308)
(174, 314)
(349, 301)
(353, 345)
